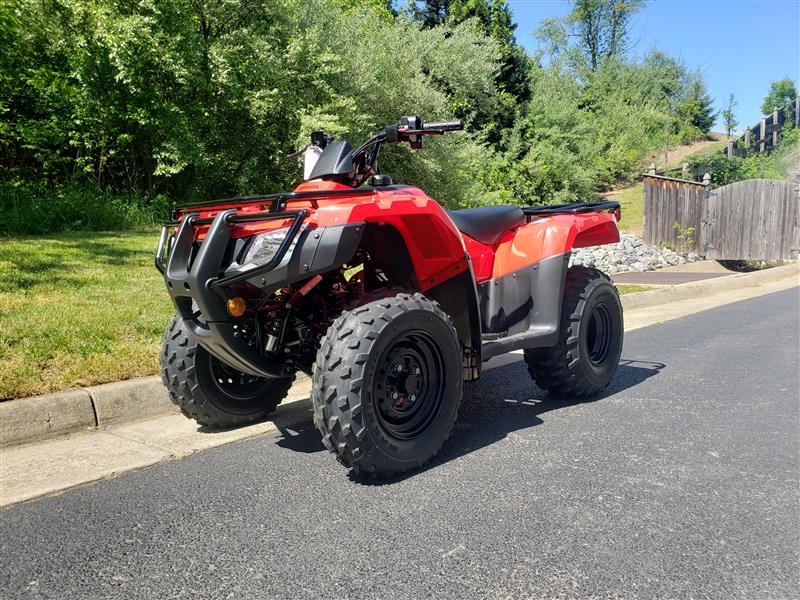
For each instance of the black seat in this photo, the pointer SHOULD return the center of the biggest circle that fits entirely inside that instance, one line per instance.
(487, 223)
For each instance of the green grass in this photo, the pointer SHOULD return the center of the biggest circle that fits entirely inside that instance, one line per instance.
(709, 150)
(631, 202)
(632, 288)
(631, 199)
(78, 309)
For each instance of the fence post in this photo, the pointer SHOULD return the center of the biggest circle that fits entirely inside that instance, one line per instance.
(730, 149)
(775, 128)
(685, 169)
(747, 139)
(763, 134)
(707, 179)
(652, 170)
(797, 113)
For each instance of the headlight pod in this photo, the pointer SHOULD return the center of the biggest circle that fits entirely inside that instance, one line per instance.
(265, 245)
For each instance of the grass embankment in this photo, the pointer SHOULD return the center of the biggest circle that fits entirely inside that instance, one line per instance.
(78, 309)
(632, 288)
(83, 308)
(631, 198)
(631, 201)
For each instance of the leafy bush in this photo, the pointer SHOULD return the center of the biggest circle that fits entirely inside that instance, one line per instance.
(31, 207)
(578, 135)
(775, 165)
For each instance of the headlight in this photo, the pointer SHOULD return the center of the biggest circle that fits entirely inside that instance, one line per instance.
(265, 245)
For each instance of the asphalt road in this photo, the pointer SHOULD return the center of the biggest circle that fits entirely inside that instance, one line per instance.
(681, 481)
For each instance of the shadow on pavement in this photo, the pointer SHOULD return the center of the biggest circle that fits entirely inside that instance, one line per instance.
(301, 436)
(504, 400)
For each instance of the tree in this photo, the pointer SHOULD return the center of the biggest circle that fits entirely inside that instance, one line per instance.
(494, 18)
(729, 117)
(780, 93)
(382, 7)
(600, 28)
(697, 110)
(429, 12)
(205, 98)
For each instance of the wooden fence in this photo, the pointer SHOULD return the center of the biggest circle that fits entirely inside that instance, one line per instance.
(756, 219)
(668, 202)
(763, 136)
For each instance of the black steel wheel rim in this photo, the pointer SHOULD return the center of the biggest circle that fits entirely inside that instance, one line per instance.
(598, 335)
(235, 384)
(409, 384)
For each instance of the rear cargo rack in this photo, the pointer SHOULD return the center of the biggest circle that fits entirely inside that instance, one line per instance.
(575, 207)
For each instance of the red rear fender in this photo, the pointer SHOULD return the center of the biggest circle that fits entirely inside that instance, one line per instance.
(541, 239)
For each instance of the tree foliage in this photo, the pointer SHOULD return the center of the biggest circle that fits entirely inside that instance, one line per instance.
(429, 12)
(596, 29)
(696, 110)
(206, 98)
(491, 18)
(729, 116)
(780, 93)
(113, 108)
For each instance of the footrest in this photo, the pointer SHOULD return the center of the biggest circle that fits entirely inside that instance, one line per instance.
(493, 336)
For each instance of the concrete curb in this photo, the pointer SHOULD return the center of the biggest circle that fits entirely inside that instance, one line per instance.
(33, 419)
(686, 291)
(131, 400)
(37, 418)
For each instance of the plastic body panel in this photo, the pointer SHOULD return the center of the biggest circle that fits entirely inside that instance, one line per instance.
(316, 251)
(524, 307)
(434, 244)
(539, 239)
(520, 278)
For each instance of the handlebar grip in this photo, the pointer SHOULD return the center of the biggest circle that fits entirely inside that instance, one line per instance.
(445, 126)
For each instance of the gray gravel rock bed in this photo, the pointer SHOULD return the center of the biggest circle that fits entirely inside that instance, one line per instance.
(630, 254)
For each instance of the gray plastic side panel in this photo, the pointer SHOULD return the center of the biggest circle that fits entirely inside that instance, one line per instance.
(317, 251)
(526, 304)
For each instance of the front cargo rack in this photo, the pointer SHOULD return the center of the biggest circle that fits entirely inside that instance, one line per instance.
(229, 217)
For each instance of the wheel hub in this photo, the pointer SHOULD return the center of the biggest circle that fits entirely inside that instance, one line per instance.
(408, 385)
(235, 384)
(598, 337)
(404, 382)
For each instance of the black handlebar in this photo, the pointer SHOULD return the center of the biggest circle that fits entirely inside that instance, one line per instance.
(445, 126)
(409, 129)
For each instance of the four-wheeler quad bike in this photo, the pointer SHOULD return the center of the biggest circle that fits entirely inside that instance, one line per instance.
(388, 301)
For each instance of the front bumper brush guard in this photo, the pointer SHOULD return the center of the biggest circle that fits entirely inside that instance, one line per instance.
(201, 284)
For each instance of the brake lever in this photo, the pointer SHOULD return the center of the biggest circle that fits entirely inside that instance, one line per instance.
(297, 153)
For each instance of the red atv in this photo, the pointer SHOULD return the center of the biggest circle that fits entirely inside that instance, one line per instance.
(388, 301)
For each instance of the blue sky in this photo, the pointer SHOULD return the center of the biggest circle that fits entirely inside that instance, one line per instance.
(740, 45)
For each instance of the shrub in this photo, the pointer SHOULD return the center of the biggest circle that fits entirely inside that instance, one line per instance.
(44, 208)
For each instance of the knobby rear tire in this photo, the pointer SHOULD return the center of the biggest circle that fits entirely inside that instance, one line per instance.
(580, 366)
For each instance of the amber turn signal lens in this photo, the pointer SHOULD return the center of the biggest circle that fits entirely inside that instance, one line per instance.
(236, 307)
